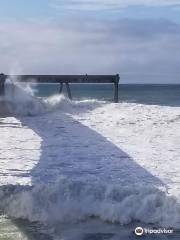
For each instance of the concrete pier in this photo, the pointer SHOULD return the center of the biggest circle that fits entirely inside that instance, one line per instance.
(67, 80)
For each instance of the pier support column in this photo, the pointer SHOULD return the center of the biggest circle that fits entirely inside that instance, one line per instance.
(61, 88)
(2, 84)
(116, 89)
(68, 91)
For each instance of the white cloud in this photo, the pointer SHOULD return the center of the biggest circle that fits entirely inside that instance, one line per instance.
(109, 4)
(144, 47)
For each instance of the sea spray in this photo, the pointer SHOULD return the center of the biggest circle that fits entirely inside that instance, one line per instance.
(20, 100)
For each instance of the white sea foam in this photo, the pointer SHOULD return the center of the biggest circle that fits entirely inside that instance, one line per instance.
(20, 100)
(84, 141)
(68, 201)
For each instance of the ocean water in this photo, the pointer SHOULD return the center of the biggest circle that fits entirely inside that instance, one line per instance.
(132, 93)
(81, 194)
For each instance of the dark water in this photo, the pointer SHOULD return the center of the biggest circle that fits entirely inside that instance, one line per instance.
(146, 94)
(92, 230)
(19, 229)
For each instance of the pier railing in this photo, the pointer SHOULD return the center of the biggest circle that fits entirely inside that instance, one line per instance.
(64, 79)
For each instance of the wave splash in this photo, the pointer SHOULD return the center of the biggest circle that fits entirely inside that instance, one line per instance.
(66, 202)
(20, 100)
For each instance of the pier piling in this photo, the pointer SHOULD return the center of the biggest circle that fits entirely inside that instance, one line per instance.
(2, 84)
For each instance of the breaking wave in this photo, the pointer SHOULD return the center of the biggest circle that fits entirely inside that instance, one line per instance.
(66, 202)
(20, 100)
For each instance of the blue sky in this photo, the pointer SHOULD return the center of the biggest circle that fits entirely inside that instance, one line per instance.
(139, 39)
(51, 8)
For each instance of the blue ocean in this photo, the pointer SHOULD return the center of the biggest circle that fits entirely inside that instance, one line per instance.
(132, 93)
